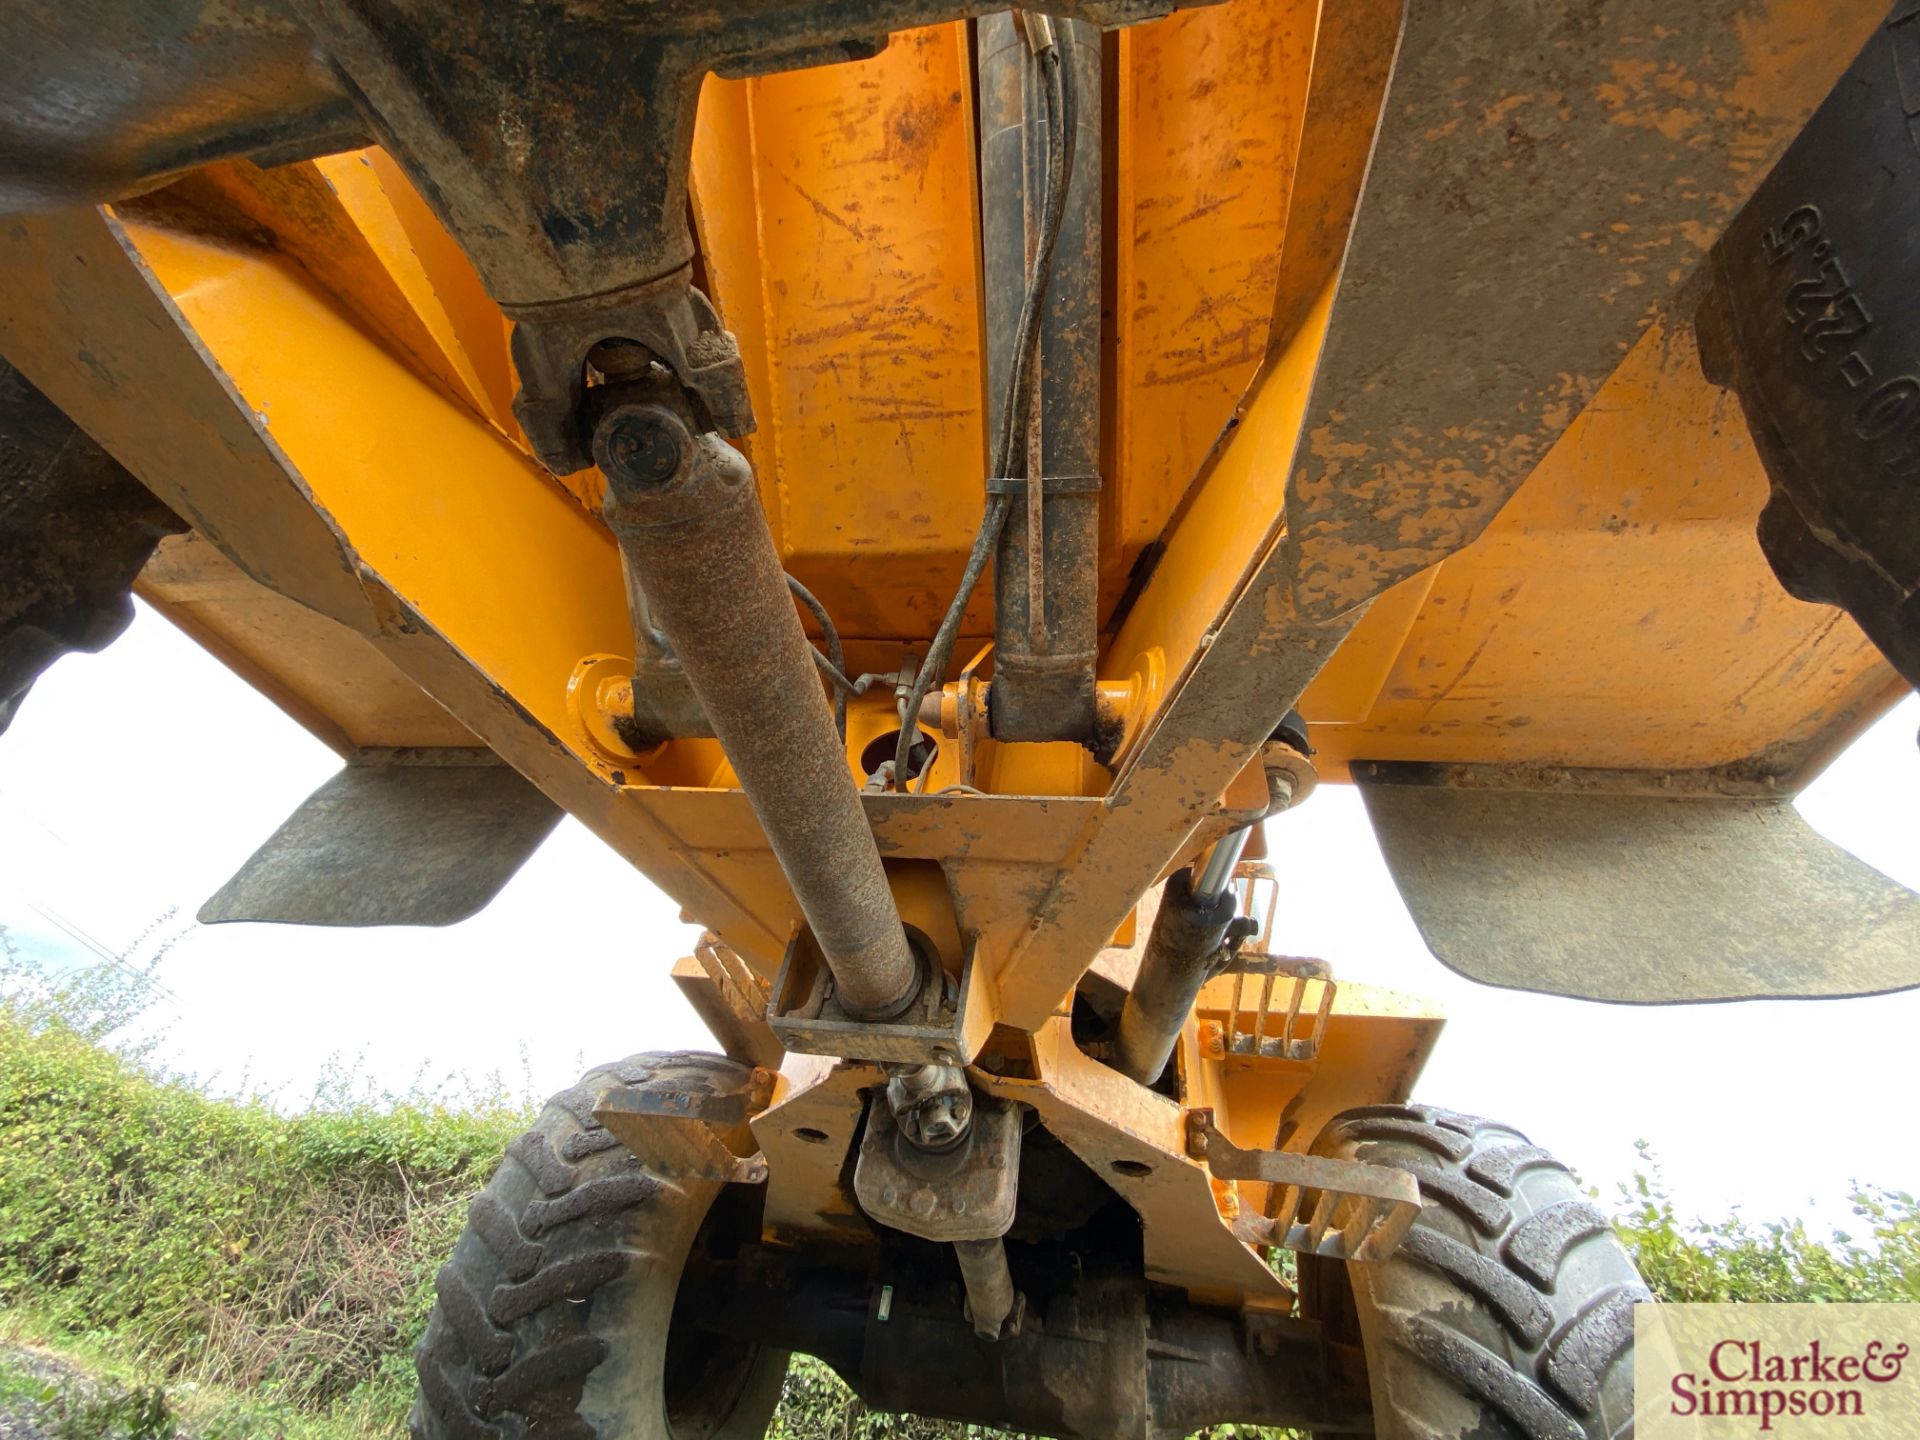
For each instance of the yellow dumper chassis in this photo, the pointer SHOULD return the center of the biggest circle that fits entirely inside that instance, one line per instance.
(621, 410)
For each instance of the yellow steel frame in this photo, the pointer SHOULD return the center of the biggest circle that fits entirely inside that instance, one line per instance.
(305, 366)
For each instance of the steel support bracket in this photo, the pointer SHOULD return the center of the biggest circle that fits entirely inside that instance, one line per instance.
(689, 1134)
(731, 1001)
(1354, 1211)
(808, 1017)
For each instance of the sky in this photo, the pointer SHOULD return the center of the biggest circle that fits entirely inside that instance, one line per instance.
(135, 782)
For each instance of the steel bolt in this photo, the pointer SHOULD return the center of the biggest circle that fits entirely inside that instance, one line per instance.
(640, 444)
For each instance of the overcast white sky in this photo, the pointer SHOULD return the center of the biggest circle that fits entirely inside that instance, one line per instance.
(135, 782)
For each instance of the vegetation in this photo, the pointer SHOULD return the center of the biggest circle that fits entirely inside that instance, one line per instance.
(219, 1268)
(218, 1241)
(1779, 1262)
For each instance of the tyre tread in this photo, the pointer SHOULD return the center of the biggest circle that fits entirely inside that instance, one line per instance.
(1480, 1302)
(1488, 1377)
(1500, 1170)
(1539, 1244)
(507, 1354)
(1589, 1344)
(1518, 1305)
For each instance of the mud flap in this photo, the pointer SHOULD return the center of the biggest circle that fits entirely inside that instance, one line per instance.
(399, 837)
(1600, 887)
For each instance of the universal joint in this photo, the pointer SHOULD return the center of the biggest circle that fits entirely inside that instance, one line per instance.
(931, 1104)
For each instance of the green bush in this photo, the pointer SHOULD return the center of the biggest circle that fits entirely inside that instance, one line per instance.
(219, 1240)
(1781, 1261)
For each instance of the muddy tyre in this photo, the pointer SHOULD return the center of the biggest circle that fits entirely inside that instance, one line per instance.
(555, 1317)
(1507, 1312)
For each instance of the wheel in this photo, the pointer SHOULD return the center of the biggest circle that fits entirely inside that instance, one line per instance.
(1507, 1311)
(556, 1315)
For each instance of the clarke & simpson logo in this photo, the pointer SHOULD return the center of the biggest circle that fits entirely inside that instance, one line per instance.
(1800, 1372)
(1745, 1379)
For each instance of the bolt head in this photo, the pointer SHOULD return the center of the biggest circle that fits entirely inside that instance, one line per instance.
(641, 445)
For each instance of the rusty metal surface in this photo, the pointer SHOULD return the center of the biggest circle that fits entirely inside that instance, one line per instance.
(730, 1000)
(1543, 175)
(692, 1133)
(398, 837)
(1636, 888)
(687, 516)
(1295, 1030)
(992, 1302)
(1342, 1209)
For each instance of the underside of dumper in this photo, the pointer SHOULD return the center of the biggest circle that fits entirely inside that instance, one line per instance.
(927, 484)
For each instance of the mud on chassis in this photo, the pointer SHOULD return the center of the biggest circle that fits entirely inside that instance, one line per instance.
(979, 1159)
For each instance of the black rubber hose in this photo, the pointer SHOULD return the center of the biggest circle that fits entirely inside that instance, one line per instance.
(835, 656)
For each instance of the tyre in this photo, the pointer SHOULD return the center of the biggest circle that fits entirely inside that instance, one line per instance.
(75, 529)
(556, 1315)
(1507, 1311)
